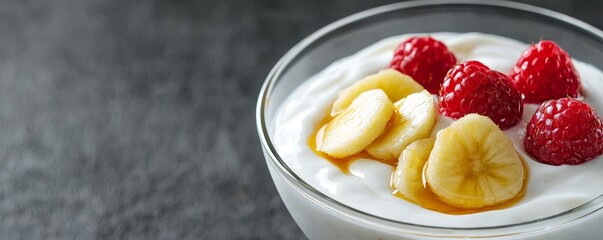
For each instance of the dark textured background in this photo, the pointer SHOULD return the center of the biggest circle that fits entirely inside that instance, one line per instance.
(135, 119)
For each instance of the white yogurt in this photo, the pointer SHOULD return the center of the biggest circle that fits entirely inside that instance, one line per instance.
(550, 190)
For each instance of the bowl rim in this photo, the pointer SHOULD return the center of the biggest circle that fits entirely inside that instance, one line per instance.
(541, 224)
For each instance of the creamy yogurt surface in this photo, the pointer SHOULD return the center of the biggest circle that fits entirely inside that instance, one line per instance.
(550, 189)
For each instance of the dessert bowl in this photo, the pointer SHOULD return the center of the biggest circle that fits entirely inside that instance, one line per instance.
(322, 217)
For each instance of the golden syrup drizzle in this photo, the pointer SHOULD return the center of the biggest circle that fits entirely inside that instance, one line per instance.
(427, 198)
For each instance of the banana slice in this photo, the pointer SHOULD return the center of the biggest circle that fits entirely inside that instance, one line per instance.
(358, 125)
(408, 177)
(473, 164)
(414, 119)
(395, 84)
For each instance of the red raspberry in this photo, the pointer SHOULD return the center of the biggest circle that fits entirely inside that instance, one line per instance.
(425, 59)
(544, 71)
(564, 131)
(471, 87)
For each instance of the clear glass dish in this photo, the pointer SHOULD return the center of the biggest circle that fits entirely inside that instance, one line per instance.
(321, 217)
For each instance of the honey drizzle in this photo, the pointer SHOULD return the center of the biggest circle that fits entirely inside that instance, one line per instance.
(428, 199)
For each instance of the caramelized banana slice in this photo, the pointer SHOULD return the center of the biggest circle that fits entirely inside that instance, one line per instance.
(395, 84)
(414, 119)
(358, 125)
(473, 164)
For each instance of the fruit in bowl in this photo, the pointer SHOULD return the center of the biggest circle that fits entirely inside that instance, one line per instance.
(451, 174)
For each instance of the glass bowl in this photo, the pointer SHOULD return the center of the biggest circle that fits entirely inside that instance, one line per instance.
(321, 217)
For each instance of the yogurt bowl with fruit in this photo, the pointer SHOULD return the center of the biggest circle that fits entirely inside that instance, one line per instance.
(438, 119)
